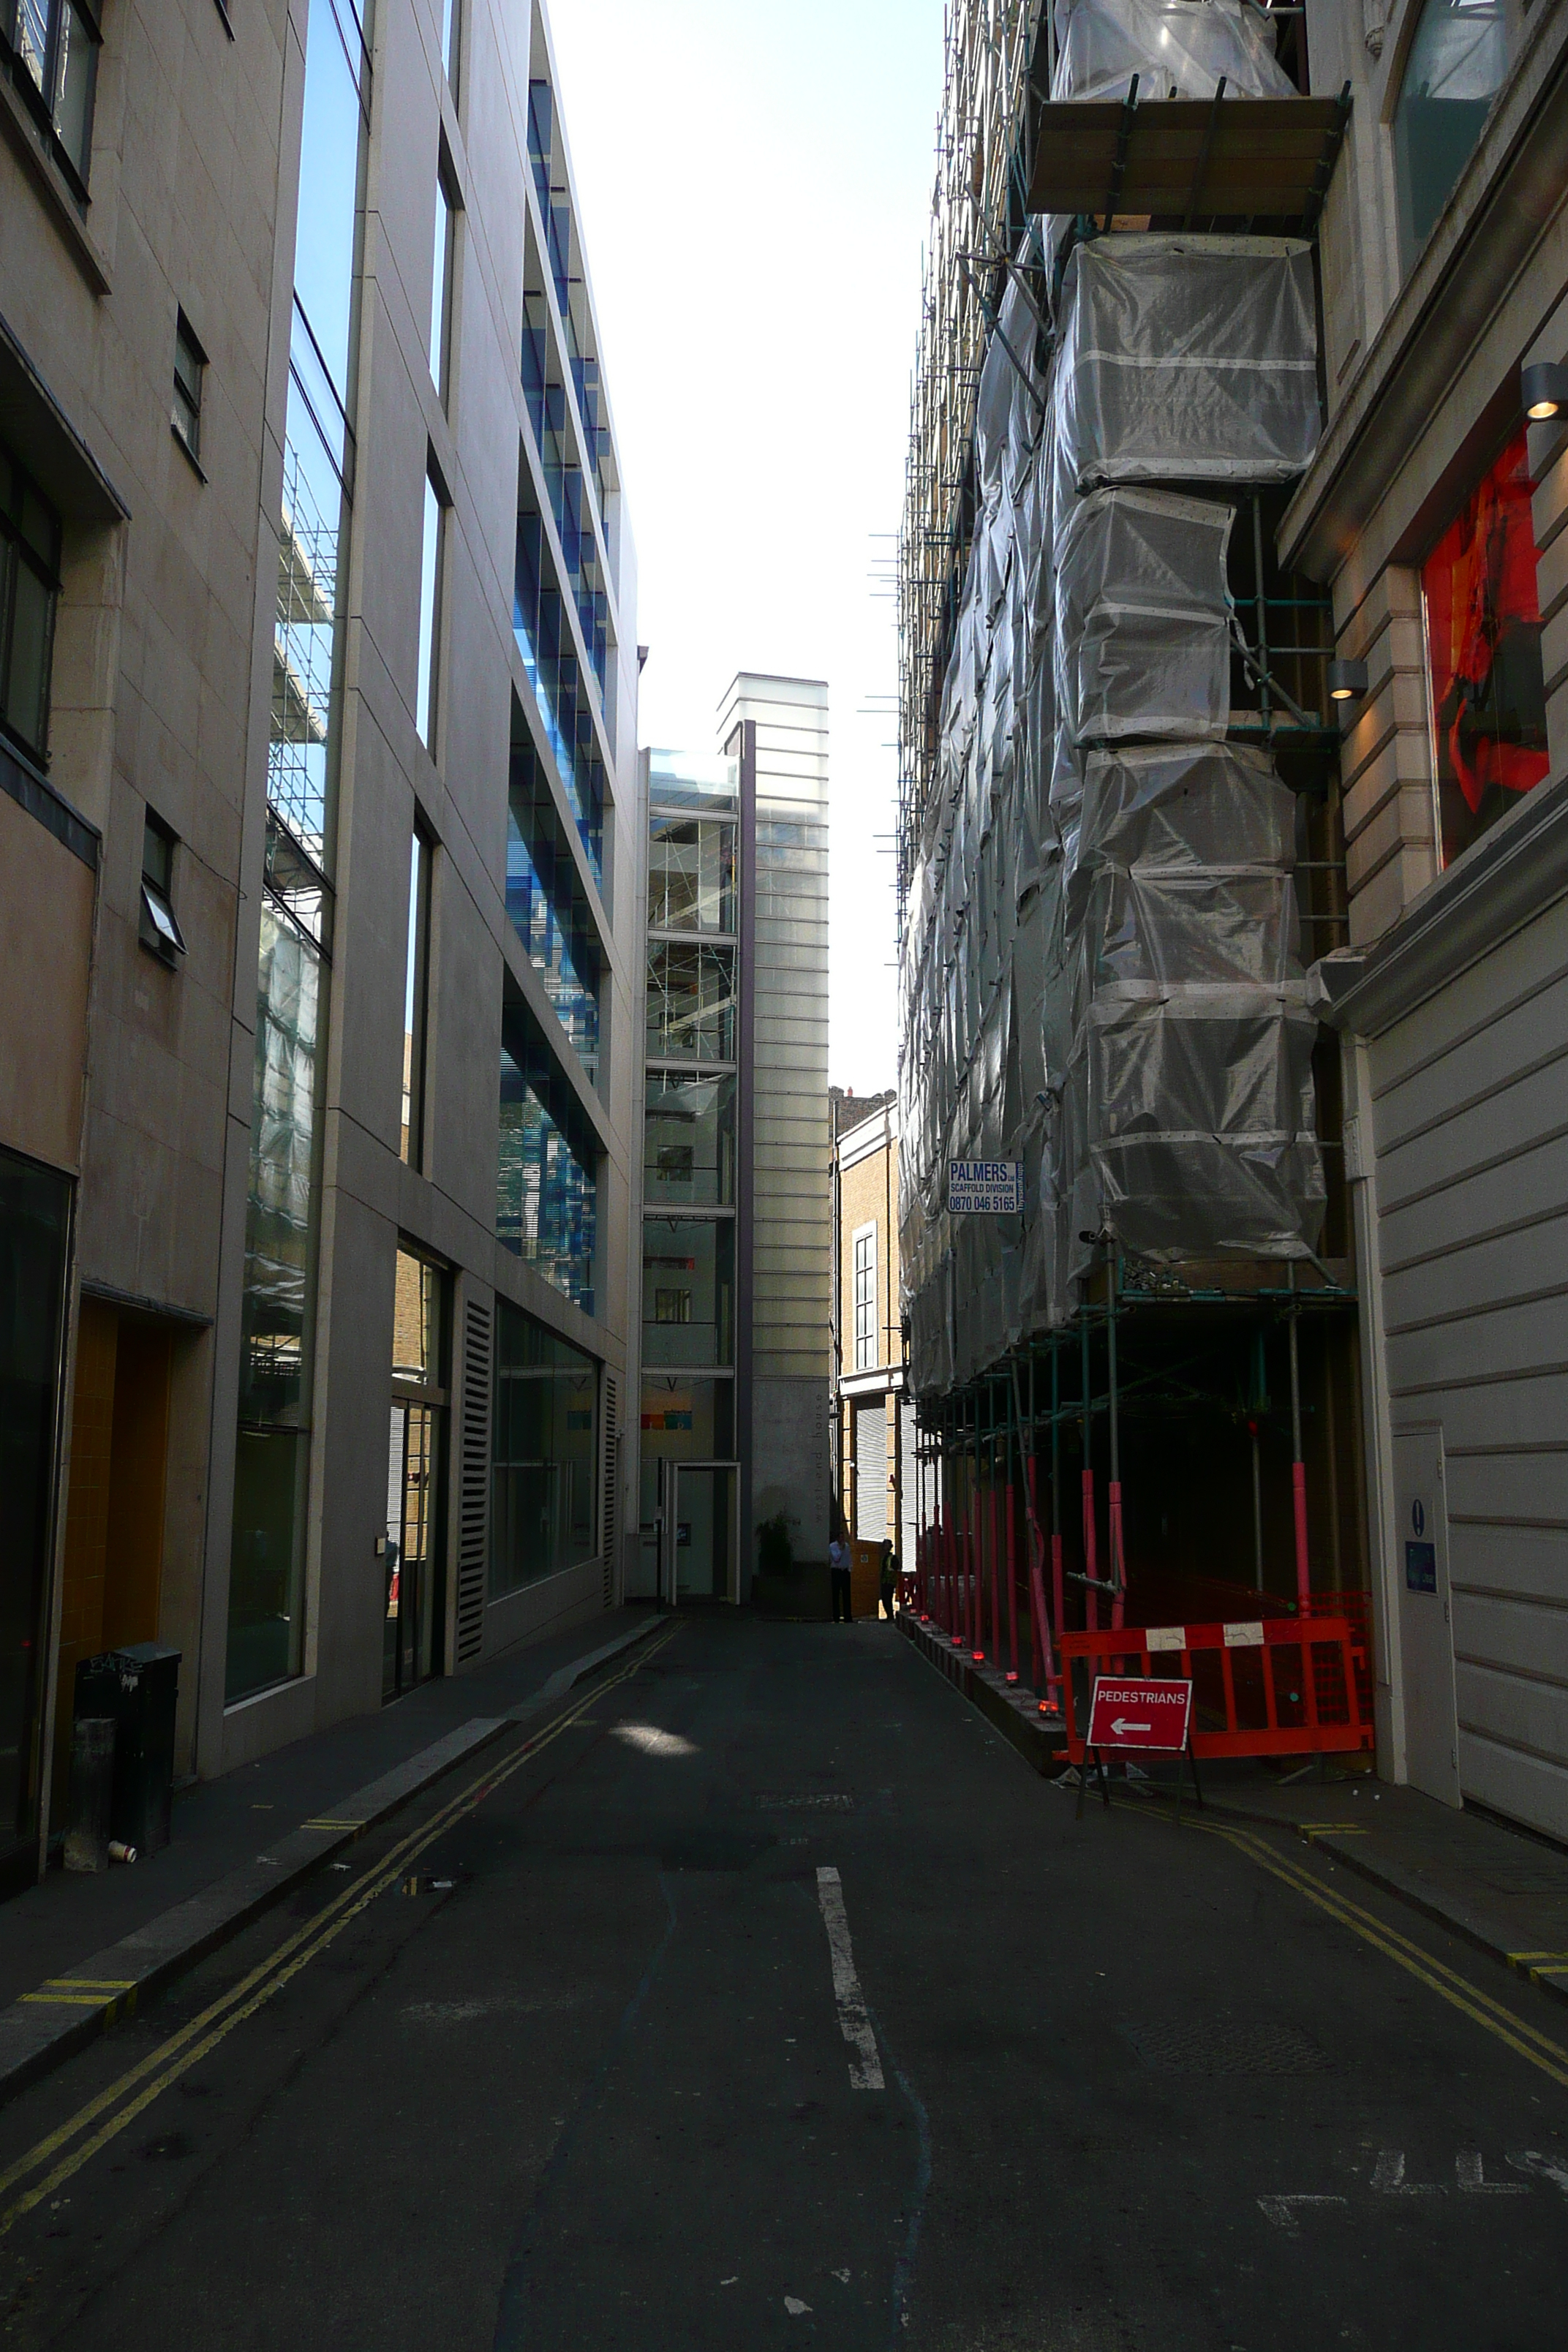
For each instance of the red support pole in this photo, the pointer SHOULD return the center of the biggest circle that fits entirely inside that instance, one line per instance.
(1058, 1583)
(977, 1553)
(996, 1565)
(1045, 1657)
(1303, 1567)
(1012, 1580)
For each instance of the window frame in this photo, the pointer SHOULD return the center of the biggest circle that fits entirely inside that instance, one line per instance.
(158, 927)
(432, 600)
(412, 1125)
(18, 550)
(188, 436)
(868, 1335)
(43, 98)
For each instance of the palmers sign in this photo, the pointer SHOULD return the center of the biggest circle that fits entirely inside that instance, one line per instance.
(986, 1188)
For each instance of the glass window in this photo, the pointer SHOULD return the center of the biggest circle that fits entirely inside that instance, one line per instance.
(265, 1619)
(441, 290)
(189, 361)
(691, 1001)
(55, 44)
(546, 1188)
(548, 906)
(1454, 70)
(1483, 642)
(416, 1000)
(29, 590)
(865, 1276)
(326, 242)
(35, 1214)
(451, 39)
(305, 645)
(688, 1140)
(159, 928)
(693, 1419)
(431, 567)
(543, 637)
(684, 780)
(690, 875)
(689, 1290)
(545, 1454)
(419, 1323)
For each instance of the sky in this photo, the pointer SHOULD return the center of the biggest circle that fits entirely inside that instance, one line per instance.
(753, 185)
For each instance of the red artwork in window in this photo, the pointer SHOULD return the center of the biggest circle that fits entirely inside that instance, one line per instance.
(1483, 634)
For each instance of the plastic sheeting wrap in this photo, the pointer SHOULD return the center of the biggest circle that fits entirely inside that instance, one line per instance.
(1143, 620)
(1176, 47)
(1186, 359)
(1192, 1083)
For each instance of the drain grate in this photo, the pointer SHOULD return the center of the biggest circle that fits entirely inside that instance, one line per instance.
(1215, 2047)
(814, 1801)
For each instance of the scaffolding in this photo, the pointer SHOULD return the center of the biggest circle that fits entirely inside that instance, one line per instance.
(1119, 828)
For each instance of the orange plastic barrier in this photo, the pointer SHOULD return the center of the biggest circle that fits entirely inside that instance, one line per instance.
(1263, 1686)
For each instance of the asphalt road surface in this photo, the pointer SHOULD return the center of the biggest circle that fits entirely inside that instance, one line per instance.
(768, 2001)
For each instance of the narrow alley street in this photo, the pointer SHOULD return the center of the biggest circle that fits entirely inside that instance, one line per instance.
(764, 1997)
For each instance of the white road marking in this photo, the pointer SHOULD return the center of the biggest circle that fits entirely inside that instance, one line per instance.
(1388, 2179)
(1281, 2210)
(1545, 2168)
(866, 2066)
(1473, 2182)
(795, 2306)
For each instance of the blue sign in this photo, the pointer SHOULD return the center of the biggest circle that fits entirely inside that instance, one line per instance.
(1421, 1567)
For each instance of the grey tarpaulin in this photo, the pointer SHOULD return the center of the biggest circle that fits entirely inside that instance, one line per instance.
(1188, 359)
(1178, 48)
(1099, 969)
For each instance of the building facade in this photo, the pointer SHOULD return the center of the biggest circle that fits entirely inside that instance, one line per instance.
(321, 848)
(1434, 511)
(876, 1474)
(734, 1327)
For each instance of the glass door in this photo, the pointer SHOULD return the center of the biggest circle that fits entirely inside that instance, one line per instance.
(704, 1538)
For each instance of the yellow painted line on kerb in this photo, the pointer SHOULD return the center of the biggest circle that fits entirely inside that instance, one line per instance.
(185, 2048)
(1525, 2040)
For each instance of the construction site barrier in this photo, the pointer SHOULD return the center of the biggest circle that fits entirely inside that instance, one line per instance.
(1262, 1686)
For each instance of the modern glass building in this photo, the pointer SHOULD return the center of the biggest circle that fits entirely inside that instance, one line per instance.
(736, 1215)
(321, 870)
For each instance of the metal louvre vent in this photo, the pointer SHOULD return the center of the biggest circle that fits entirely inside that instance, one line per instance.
(474, 1477)
(611, 1471)
(1214, 2046)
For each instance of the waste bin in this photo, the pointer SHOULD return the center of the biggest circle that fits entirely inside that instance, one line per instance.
(138, 1686)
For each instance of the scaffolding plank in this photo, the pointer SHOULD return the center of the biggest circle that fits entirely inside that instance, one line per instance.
(1264, 155)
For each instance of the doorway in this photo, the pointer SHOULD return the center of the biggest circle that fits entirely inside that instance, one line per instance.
(703, 1536)
(414, 1590)
(113, 1580)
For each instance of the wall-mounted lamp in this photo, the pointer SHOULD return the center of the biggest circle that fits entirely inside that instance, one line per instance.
(1347, 681)
(1543, 388)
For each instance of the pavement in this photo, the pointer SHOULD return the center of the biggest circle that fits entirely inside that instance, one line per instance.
(751, 1996)
(80, 1950)
(1502, 1889)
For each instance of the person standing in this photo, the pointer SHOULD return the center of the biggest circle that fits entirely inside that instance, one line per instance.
(886, 1576)
(838, 1568)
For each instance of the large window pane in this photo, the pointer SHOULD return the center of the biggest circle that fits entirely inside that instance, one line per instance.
(1456, 67)
(689, 1290)
(549, 907)
(277, 1317)
(688, 1153)
(1483, 637)
(691, 1001)
(30, 569)
(325, 248)
(35, 1214)
(690, 875)
(429, 614)
(545, 1454)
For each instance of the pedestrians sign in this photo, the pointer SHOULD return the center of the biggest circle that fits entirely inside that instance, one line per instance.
(1151, 1713)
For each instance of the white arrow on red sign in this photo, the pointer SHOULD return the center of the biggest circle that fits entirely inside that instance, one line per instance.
(1148, 1711)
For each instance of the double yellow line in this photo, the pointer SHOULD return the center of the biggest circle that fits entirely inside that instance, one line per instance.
(64, 2151)
(1539, 2049)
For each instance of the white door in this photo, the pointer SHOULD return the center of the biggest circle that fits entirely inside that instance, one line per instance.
(1425, 1614)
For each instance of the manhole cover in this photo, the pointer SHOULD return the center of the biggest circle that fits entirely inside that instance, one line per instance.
(813, 1802)
(1215, 2047)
